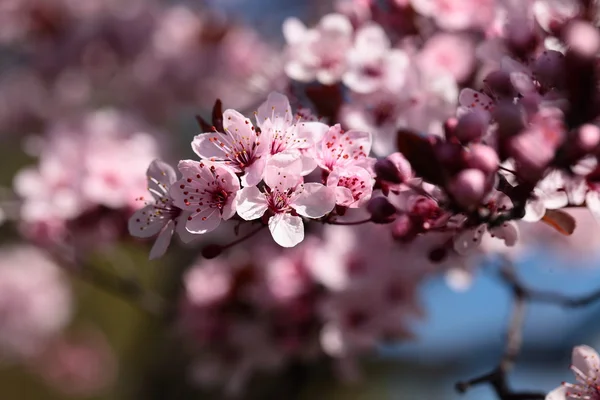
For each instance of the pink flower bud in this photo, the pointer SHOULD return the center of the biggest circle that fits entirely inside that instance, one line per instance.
(449, 127)
(484, 158)
(583, 39)
(468, 187)
(510, 119)
(588, 137)
(403, 228)
(471, 126)
(549, 68)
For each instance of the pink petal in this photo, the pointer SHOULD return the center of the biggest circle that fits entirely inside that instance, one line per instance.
(237, 126)
(283, 178)
(162, 241)
(251, 203)
(254, 172)
(312, 131)
(315, 200)
(469, 240)
(586, 360)
(343, 196)
(534, 210)
(509, 232)
(160, 177)
(277, 108)
(204, 221)
(205, 148)
(229, 209)
(293, 30)
(143, 223)
(336, 23)
(592, 201)
(287, 230)
(560, 393)
(185, 235)
(474, 100)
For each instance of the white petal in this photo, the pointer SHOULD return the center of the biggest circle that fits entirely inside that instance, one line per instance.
(534, 210)
(162, 241)
(283, 178)
(254, 172)
(293, 30)
(236, 125)
(337, 23)
(343, 196)
(185, 235)
(315, 200)
(556, 200)
(229, 208)
(203, 222)
(586, 360)
(143, 223)
(287, 230)
(469, 240)
(308, 164)
(160, 177)
(313, 131)
(560, 393)
(508, 231)
(251, 203)
(204, 147)
(276, 108)
(592, 201)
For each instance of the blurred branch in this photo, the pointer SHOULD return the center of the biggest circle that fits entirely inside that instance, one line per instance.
(127, 289)
(498, 378)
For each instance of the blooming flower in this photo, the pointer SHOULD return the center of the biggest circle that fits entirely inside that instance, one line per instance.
(240, 147)
(586, 366)
(353, 186)
(339, 148)
(208, 192)
(318, 53)
(288, 136)
(372, 64)
(161, 217)
(286, 197)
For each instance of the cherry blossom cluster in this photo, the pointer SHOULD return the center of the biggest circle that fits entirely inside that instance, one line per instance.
(259, 173)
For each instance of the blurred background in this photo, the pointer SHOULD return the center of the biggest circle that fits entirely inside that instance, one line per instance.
(151, 66)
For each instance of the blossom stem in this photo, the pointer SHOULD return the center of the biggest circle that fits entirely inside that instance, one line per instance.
(364, 221)
(243, 238)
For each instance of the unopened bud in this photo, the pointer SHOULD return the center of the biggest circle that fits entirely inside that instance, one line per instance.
(483, 157)
(583, 39)
(387, 171)
(468, 187)
(588, 137)
(499, 83)
(549, 69)
(471, 126)
(403, 228)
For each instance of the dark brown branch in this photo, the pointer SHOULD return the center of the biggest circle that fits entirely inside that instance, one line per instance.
(514, 338)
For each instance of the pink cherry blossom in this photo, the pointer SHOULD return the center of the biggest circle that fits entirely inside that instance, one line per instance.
(373, 64)
(207, 192)
(318, 53)
(288, 136)
(35, 302)
(457, 14)
(160, 217)
(586, 366)
(287, 198)
(353, 186)
(339, 148)
(449, 52)
(241, 147)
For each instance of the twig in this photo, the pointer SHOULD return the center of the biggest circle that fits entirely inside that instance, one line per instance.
(498, 378)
